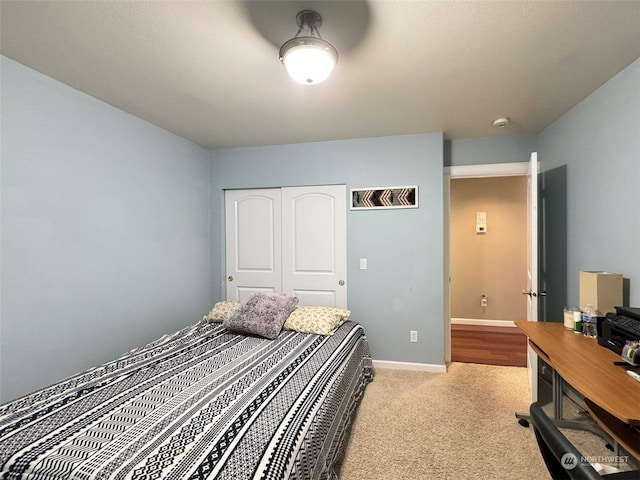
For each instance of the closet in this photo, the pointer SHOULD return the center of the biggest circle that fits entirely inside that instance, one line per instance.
(291, 240)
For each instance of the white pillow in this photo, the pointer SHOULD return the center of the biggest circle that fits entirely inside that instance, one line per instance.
(221, 311)
(318, 320)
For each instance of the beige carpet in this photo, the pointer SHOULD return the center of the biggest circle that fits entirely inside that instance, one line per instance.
(458, 425)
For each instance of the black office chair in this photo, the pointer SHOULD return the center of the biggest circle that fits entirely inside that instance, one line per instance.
(563, 460)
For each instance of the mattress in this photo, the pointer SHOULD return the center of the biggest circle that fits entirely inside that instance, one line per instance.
(201, 403)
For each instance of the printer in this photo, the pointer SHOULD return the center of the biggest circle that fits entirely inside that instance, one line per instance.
(617, 328)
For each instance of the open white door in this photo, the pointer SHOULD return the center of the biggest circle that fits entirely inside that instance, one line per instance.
(532, 268)
(446, 280)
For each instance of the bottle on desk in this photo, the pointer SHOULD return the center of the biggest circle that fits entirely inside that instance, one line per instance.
(577, 321)
(590, 322)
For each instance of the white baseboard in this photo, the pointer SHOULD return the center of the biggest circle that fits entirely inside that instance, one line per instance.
(482, 321)
(422, 367)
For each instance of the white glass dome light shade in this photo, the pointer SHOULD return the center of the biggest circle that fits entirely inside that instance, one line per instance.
(308, 60)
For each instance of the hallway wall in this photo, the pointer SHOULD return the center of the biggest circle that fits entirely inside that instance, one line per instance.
(492, 263)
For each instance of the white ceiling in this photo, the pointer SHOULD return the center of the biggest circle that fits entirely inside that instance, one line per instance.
(209, 70)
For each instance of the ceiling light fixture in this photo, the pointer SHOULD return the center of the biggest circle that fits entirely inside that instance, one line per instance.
(309, 60)
(501, 122)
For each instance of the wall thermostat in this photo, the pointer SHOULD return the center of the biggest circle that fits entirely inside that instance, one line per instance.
(481, 222)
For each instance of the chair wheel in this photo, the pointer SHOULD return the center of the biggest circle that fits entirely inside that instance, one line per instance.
(524, 422)
(609, 446)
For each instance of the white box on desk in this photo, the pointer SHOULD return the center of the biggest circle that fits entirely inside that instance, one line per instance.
(603, 290)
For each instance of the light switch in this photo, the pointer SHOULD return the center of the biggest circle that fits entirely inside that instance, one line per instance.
(363, 264)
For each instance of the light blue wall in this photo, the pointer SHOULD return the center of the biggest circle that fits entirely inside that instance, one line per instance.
(105, 238)
(402, 288)
(487, 150)
(599, 143)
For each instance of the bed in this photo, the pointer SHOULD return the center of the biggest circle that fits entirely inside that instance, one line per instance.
(201, 403)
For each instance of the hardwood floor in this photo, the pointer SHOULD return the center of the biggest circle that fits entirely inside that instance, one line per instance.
(488, 345)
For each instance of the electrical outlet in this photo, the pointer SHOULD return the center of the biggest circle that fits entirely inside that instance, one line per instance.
(413, 336)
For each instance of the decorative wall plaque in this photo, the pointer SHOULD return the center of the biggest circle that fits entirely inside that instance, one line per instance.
(384, 198)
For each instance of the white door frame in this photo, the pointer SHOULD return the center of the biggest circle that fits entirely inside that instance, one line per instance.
(466, 171)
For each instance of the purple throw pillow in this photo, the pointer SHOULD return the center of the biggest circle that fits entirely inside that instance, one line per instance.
(262, 314)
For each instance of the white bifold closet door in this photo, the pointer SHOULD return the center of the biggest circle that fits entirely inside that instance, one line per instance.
(290, 240)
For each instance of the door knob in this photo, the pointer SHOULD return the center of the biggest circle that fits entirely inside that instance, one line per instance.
(341, 282)
(230, 278)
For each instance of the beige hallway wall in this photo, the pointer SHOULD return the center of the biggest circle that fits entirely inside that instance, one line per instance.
(492, 263)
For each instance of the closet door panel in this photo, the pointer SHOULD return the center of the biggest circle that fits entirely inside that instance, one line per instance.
(314, 244)
(253, 242)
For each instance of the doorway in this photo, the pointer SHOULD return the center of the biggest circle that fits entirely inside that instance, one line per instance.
(487, 263)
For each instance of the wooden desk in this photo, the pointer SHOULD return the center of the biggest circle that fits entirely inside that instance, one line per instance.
(612, 396)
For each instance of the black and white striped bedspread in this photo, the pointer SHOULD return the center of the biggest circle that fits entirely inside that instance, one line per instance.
(201, 403)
